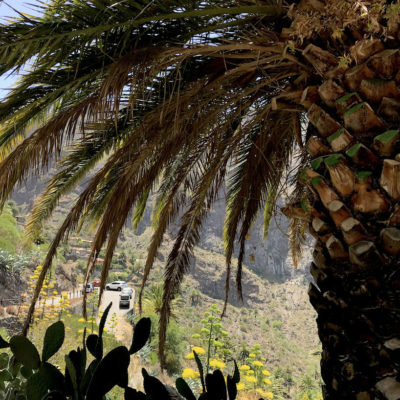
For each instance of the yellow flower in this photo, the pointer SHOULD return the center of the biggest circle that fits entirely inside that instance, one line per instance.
(266, 372)
(251, 379)
(198, 350)
(244, 367)
(67, 328)
(267, 381)
(258, 363)
(252, 355)
(240, 386)
(55, 292)
(189, 356)
(190, 373)
(82, 320)
(217, 363)
(251, 372)
(266, 395)
(81, 330)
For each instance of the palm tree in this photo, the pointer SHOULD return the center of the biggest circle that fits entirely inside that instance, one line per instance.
(153, 300)
(182, 97)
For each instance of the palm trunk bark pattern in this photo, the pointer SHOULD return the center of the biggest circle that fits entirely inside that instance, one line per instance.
(354, 176)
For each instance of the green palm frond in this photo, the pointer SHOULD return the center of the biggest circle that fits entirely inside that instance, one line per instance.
(181, 254)
(164, 99)
(82, 157)
(257, 173)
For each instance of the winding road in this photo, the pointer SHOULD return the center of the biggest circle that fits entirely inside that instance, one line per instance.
(123, 329)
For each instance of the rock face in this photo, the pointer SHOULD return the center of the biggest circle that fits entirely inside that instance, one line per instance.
(268, 258)
(66, 277)
(11, 287)
(215, 287)
(11, 324)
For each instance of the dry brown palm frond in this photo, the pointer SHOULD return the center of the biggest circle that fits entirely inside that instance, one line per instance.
(80, 159)
(193, 90)
(298, 195)
(70, 222)
(133, 181)
(253, 180)
(168, 207)
(37, 151)
(188, 235)
(196, 114)
(136, 70)
(297, 239)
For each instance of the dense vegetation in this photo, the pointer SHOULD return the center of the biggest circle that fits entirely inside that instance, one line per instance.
(10, 235)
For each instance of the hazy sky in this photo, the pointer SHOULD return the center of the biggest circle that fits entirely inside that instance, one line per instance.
(5, 11)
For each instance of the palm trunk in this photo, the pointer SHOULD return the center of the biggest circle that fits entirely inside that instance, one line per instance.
(354, 214)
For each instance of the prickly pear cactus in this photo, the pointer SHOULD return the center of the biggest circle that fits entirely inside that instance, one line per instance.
(27, 375)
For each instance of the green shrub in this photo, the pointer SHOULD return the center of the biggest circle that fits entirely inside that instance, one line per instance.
(13, 207)
(13, 263)
(81, 266)
(123, 276)
(174, 344)
(276, 324)
(10, 234)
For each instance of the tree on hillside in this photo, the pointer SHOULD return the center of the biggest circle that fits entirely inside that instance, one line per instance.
(182, 97)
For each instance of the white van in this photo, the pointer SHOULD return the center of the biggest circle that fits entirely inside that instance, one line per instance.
(89, 288)
(124, 299)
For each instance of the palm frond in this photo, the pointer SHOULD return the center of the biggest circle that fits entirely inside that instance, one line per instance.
(260, 166)
(188, 235)
(269, 211)
(297, 239)
(174, 96)
(82, 157)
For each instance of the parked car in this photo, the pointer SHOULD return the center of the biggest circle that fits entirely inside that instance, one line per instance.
(116, 285)
(124, 299)
(96, 282)
(89, 288)
(127, 290)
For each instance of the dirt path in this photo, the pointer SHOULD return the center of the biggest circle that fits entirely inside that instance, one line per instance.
(123, 330)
